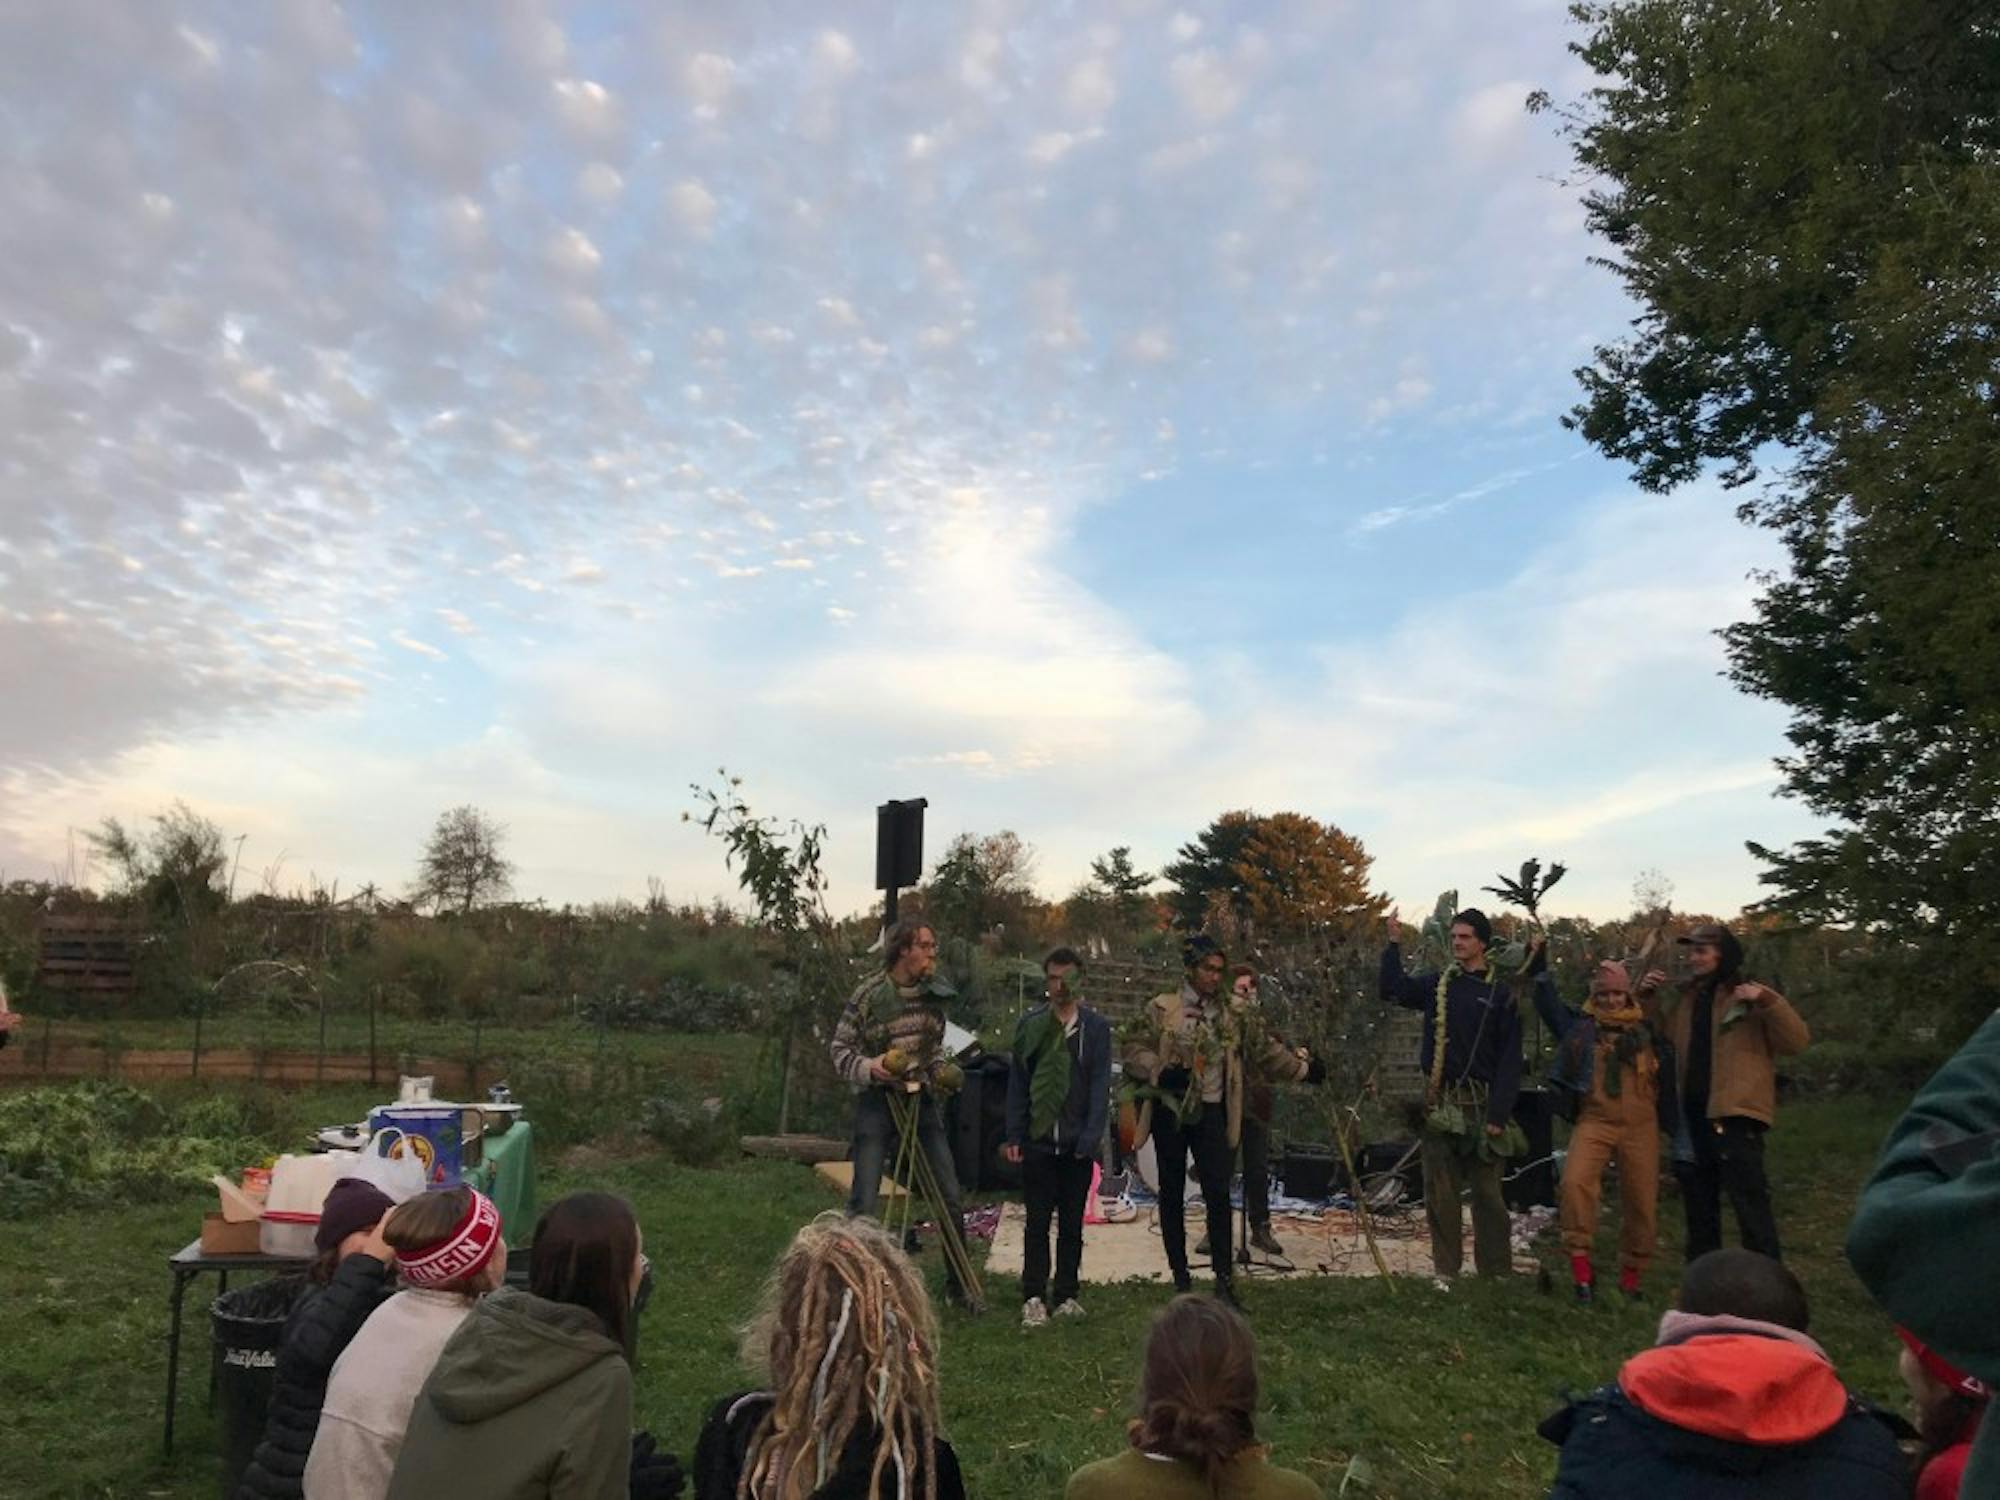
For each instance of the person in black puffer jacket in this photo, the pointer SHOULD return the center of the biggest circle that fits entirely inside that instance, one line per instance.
(350, 1280)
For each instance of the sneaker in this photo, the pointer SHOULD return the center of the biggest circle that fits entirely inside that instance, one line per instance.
(1585, 1294)
(1183, 1282)
(1068, 1308)
(1225, 1291)
(1262, 1239)
(1033, 1313)
(1201, 1248)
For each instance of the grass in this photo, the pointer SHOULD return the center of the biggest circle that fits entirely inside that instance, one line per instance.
(1437, 1392)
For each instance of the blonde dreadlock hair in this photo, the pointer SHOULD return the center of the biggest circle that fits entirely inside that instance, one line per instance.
(848, 1339)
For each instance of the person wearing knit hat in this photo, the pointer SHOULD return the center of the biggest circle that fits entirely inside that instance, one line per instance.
(350, 1279)
(449, 1252)
(1607, 1078)
(1471, 1057)
(1950, 1405)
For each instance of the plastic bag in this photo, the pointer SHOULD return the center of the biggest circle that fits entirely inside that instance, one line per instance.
(399, 1174)
(299, 1185)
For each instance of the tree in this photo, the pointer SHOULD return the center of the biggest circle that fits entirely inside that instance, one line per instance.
(1804, 200)
(1283, 875)
(179, 872)
(462, 865)
(1208, 866)
(981, 884)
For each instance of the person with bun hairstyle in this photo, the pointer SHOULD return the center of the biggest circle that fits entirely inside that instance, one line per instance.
(449, 1253)
(351, 1276)
(532, 1397)
(1195, 1437)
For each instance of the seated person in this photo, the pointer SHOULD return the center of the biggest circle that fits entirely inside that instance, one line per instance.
(1195, 1437)
(848, 1344)
(1734, 1401)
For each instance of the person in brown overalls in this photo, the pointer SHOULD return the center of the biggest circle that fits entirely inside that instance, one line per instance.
(1608, 1067)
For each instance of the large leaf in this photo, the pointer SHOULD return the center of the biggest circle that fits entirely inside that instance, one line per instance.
(1048, 1060)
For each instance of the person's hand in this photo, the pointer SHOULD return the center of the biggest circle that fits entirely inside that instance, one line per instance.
(376, 1245)
(1653, 980)
(1315, 1068)
(1751, 994)
(1011, 1154)
(654, 1475)
(878, 1071)
(1496, 1131)
(1390, 924)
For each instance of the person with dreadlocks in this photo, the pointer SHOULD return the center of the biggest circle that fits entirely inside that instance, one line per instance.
(1607, 1077)
(848, 1344)
(1472, 1065)
(890, 1035)
(1192, 1056)
(1727, 1034)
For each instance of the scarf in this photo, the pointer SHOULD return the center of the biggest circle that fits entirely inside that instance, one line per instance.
(1623, 1040)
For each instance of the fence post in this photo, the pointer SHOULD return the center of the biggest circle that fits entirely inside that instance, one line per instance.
(319, 1063)
(374, 996)
(597, 1067)
(48, 1026)
(472, 1079)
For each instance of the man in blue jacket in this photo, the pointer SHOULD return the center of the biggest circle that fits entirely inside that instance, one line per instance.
(1058, 1098)
(1472, 1071)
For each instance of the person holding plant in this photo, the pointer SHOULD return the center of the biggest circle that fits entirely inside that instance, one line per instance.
(1608, 1077)
(1727, 1034)
(1058, 1097)
(890, 1035)
(1471, 1059)
(1192, 1058)
(1195, 1437)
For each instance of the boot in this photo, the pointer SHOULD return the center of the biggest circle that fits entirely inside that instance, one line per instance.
(1201, 1248)
(1262, 1238)
(1584, 1276)
(1628, 1283)
(1225, 1291)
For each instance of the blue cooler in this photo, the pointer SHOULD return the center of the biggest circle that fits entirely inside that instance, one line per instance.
(434, 1131)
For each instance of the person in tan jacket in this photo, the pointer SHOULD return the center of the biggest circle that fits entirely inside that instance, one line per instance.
(1727, 1033)
(1190, 1058)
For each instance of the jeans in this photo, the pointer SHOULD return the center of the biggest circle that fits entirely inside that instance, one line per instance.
(1214, 1161)
(1256, 1144)
(1056, 1184)
(876, 1147)
(1728, 1157)
(1448, 1168)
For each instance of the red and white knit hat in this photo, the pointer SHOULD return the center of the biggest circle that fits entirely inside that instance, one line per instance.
(462, 1253)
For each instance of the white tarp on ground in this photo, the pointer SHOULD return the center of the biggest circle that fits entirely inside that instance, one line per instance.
(1326, 1244)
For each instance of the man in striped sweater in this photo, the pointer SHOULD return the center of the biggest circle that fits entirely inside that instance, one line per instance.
(891, 1035)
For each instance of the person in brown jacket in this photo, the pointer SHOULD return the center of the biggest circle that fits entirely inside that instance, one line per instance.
(1191, 1058)
(1726, 1033)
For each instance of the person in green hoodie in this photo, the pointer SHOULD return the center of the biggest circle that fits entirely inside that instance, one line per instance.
(532, 1397)
(1926, 1236)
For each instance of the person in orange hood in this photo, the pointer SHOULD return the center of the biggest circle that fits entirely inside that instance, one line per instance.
(1733, 1401)
(1950, 1405)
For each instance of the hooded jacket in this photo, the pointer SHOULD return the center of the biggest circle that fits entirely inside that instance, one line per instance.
(1745, 1041)
(1927, 1230)
(321, 1325)
(1725, 1409)
(529, 1399)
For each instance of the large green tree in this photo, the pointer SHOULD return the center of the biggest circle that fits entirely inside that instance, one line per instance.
(1281, 875)
(1804, 201)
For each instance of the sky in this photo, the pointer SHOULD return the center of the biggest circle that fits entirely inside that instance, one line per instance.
(1090, 417)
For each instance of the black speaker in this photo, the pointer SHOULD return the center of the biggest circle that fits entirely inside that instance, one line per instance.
(1311, 1172)
(976, 1122)
(899, 844)
(1534, 1185)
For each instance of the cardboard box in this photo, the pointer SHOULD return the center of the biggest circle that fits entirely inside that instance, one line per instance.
(221, 1236)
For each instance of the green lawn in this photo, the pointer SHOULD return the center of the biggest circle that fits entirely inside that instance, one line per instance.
(1438, 1392)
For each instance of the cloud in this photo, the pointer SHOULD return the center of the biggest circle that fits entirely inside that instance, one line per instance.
(417, 647)
(1205, 85)
(694, 205)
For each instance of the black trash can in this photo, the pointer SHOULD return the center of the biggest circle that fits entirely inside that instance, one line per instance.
(249, 1327)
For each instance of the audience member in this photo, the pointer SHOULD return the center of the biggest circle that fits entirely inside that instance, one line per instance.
(848, 1343)
(1926, 1237)
(1195, 1437)
(1734, 1401)
(348, 1281)
(448, 1252)
(1949, 1405)
(532, 1397)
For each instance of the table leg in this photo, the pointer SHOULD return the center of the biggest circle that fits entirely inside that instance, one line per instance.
(214, 1354)
(174, 1350)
